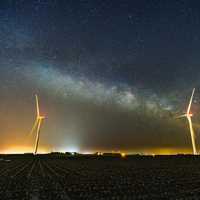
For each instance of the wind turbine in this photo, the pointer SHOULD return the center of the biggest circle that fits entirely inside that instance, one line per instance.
(37, 125)
(189, 115)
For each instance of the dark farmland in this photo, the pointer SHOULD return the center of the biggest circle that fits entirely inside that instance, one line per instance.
(96, 177)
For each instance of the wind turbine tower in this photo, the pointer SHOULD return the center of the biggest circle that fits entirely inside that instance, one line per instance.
(189, 115)
(37, 125)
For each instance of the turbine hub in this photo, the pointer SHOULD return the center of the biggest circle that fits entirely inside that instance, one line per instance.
(41, 117)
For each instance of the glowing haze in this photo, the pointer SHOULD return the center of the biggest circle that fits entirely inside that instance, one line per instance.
(87, 115)
(109, 76)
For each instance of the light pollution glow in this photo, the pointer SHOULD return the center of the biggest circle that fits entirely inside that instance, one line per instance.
(27, 149)
(21, 150)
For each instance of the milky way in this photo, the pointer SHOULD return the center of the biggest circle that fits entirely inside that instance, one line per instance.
(67, 86)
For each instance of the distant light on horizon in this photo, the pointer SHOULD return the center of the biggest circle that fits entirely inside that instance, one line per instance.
(123, 155)
(69, 149)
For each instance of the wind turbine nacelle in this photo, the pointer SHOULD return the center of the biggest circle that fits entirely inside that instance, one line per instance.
(41, 117)
(189, 115)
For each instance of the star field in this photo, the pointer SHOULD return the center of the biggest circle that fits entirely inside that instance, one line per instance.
(114, 71)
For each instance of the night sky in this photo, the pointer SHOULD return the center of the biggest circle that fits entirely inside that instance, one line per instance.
(110, 74)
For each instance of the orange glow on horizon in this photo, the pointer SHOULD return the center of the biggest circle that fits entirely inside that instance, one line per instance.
(19, 149)
(169, 151)
(22, 150)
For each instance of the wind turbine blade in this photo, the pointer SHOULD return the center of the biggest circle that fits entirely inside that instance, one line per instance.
(34, 127)
(37, 105)
(189, 106)
(192, 136)
(181, 116)
(37, 136)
